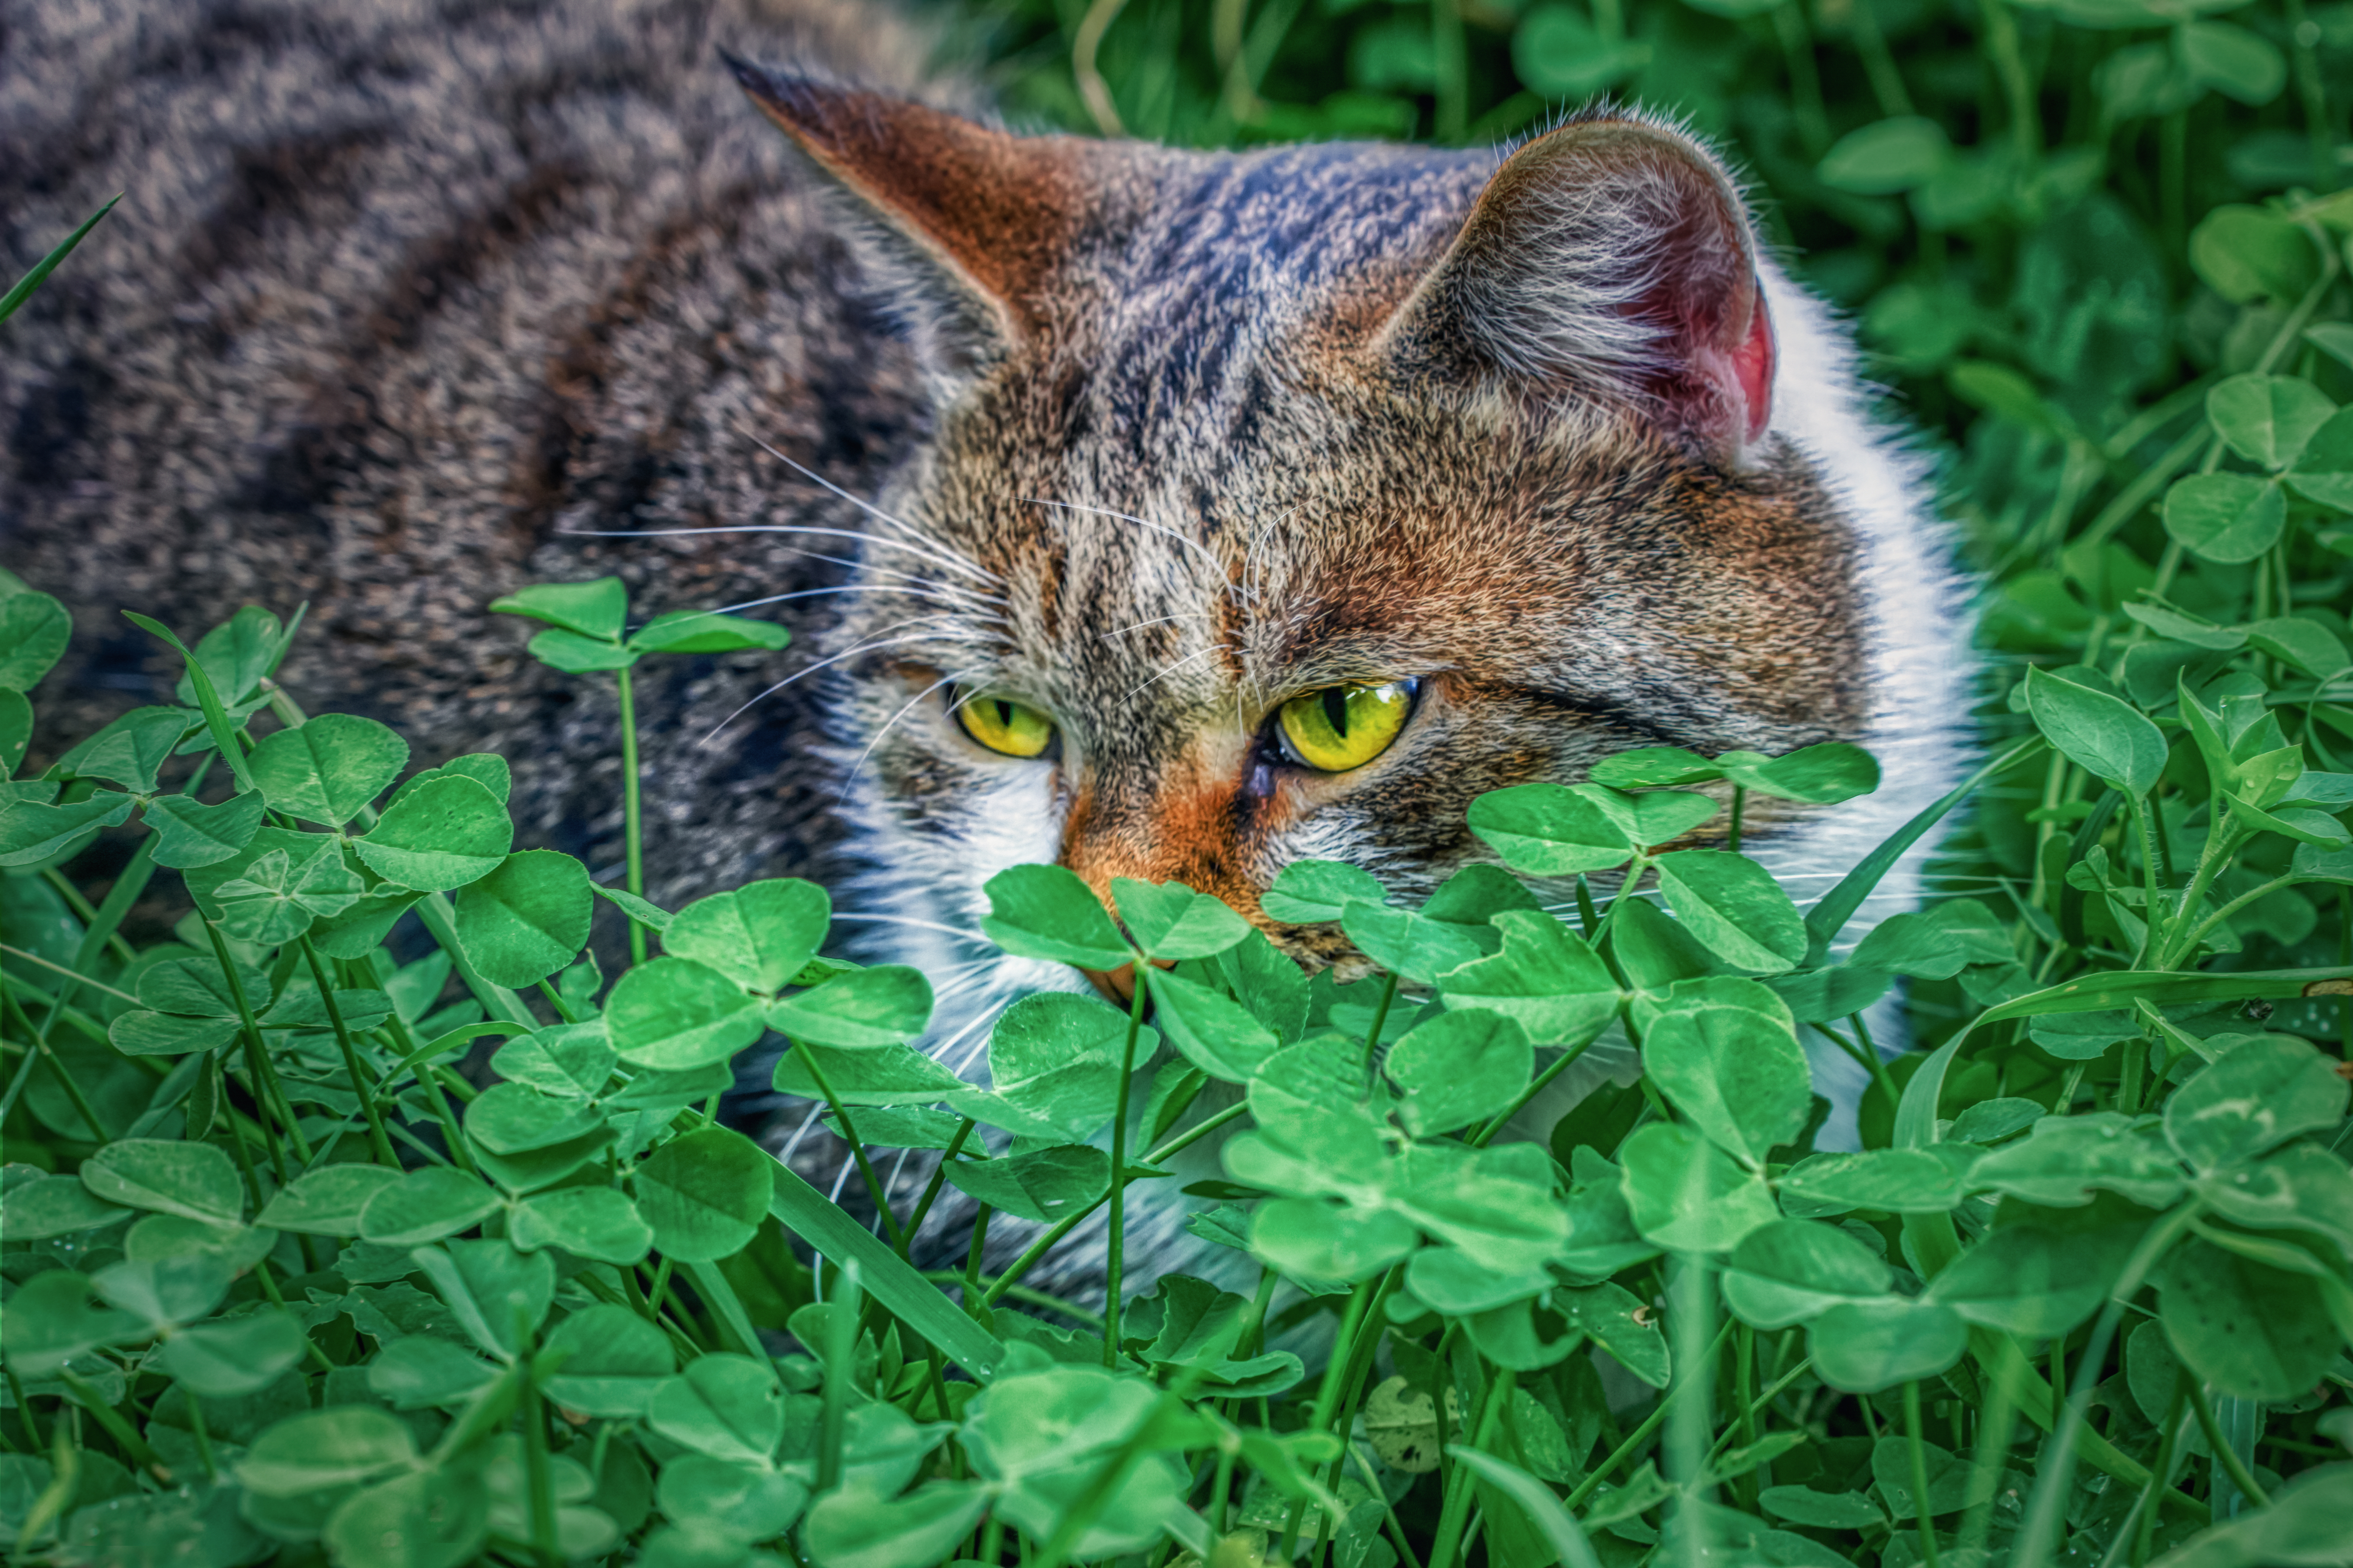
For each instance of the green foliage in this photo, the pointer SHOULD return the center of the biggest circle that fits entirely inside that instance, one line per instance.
(313, 1254)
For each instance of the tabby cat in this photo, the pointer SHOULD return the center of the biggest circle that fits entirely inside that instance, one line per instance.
(1168, 514)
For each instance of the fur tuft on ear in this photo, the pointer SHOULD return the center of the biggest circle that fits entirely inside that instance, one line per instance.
(1611, 256)
(977, 218)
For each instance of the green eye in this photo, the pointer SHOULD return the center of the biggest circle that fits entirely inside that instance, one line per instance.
(1004, 725)
(1345, 726)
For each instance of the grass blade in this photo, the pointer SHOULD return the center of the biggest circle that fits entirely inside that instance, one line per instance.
(49, 263)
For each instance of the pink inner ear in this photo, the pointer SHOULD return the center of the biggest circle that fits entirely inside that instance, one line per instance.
(1752, 367)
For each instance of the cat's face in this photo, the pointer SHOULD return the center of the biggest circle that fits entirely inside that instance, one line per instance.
(1265, 522)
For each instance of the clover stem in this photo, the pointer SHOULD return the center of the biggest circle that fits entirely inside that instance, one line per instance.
(840, 1358)
(362, 1082)
(1118, 1175)
(539, 1477)
(973, 1298)
(264, 1075)
(632, 825)
(1744, 1389)
(1995, 1422)
(1455, 1511)
(14, 1013)
(2045, 1510)
(1380, 1019)
(1919, 1445)
(932, 1190)
(1740, 807)
(874, 1188)
(1069, 1222)
(2226, 1455)
(1537, 1084)
(1642, 1434)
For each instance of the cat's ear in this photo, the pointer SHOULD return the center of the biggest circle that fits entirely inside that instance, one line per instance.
(972, 219)
(1609, 256)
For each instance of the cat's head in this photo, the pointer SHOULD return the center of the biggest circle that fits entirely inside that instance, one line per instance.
(1282, 502)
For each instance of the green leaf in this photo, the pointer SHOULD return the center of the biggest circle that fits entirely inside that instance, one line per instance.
(2304, 1524)
(706, 631)
(1457, 1068)
(742, 1503)
(859, 1527)
(2268, 419)
(197, 1180)
(446, 832)
(1045, 911)
(1313, 892)
(1737, 1073)
(1647, 766)
(33, 631)
(1821, 1510)
(877, 1075)
(571, 1061)
(651, 916)
(705, 1194)
(760, 936)
(2033, 1278)
(131, 750)
(1044, 1184)
(189, 835)
(514, 1118)
(1547, 830)
(1214, 1032)
(1310, 1239)
(2302, 1187)
(1888, 157)
(725, 1405)
(277, 897)
(1417, 949)
(526, 920)
(327, 1201)
(1615, 1319)
(2250, 253)
(229, 1358)
(2231, 59)
(1553, 1523)
(2100, 733)
(493, 1290)
(329, 769)
(51, 1319)
(425, 1205)
(15, 729)
(1948, 1478)
(2228, 519)
(1823, 774)
(674, 1013)
(1546, 978)
(32, 831)
(1899, 1181)
(433, 1519)
(317, 1450)
(420, 1372)
(1687, 1195)
(1734, 906)
(2260, 1094)
(1794, 1270)
(598, 1222)
(885, 1005)
(2251, 1332)
(2065, 1160)
(1171, 922)
(54, 1205)
(613, 1360)
(2324, 473)
(1862, 1347)
(597, 609)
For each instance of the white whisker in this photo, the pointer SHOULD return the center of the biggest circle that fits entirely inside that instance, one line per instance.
(850, 778)
(775, 528)
(1214, 648)
(947, 557)
(873, 642)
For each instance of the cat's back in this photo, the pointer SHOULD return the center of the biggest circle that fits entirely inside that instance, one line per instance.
(402, 295)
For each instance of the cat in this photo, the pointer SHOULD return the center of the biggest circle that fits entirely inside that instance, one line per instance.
(1204, 511)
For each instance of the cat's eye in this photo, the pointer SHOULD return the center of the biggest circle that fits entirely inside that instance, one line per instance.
(1344, 727)
(1004, 725)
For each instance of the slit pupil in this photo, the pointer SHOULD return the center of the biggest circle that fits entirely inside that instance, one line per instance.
(1335, 710)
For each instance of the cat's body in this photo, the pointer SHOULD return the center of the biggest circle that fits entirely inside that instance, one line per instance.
(1157, 442)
